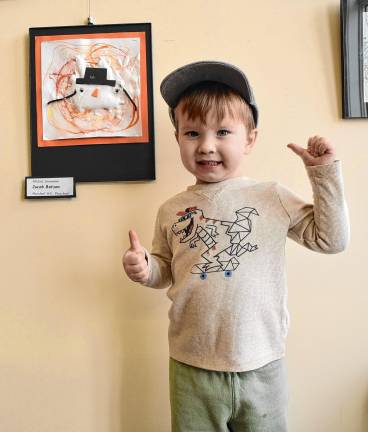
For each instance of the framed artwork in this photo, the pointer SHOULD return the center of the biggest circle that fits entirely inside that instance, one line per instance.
(354, 53)
(91, 102)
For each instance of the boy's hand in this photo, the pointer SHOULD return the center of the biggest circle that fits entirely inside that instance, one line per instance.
(134, 260)
(319, 151)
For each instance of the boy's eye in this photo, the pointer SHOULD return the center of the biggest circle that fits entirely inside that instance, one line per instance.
(191, 134)
(223, 132)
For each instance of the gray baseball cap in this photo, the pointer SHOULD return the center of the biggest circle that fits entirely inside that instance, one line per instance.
(174, 84)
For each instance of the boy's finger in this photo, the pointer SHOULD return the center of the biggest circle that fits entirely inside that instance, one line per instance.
(142, 277)
(312, 141)
(132, 258)
(136, 267)
(134, 241)
(321, 149)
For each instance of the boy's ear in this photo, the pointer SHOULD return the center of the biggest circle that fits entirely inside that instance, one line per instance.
(251, 140)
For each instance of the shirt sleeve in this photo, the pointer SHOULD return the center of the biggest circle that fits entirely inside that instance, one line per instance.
(324, 225)
(159, 260)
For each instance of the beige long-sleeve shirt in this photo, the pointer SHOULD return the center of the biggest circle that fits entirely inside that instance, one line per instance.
(220, 247)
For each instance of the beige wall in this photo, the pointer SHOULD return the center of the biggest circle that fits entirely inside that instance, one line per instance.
(82, 349)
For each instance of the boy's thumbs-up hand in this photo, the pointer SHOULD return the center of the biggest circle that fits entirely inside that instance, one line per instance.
(134, 260)
(319, 151)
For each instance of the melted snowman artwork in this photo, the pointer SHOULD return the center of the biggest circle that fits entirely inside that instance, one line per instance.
(97, 97)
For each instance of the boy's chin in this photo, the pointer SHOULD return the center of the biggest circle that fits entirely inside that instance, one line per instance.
(204, 181)
(209, 179)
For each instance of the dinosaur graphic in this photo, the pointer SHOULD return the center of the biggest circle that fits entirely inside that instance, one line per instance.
(224, 241)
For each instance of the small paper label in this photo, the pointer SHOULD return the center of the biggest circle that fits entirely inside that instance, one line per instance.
(54, 187)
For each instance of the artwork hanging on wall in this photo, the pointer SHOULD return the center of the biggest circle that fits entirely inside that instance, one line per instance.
(92, 102)
(354, 53)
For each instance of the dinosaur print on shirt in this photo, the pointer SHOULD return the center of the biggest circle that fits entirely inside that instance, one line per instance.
(223, 246)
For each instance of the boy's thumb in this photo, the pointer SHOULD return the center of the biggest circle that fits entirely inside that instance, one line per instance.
(296, 149)
(134, 241)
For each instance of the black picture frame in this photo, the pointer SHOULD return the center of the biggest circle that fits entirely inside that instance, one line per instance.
(354, 59)
(107, 159)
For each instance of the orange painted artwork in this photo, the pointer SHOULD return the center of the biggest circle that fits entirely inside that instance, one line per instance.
(91, 89)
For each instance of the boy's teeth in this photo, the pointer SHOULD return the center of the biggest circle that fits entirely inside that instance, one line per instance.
(213, 163)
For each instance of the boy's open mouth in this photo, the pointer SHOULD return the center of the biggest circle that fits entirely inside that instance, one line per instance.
(209, 163)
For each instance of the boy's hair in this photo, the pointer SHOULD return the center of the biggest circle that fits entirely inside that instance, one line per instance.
(199, 99)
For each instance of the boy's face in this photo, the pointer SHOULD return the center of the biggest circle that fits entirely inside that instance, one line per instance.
(213, 152)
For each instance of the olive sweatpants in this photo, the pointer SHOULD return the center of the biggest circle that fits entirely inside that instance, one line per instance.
(210, 401)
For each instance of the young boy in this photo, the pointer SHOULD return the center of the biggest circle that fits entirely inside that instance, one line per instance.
(220, 246)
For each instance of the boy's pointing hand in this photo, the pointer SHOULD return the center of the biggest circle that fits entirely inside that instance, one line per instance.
(134, 260)
(319, 151)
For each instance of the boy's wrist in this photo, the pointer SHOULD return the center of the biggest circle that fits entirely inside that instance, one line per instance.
(327, 162)
(324, 170)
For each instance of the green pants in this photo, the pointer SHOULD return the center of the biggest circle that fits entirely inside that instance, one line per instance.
(210, 401)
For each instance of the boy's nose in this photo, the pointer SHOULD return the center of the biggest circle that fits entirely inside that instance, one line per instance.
(207, 145)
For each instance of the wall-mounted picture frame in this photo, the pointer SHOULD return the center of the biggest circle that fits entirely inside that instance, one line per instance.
(91, 102)
(354, 56)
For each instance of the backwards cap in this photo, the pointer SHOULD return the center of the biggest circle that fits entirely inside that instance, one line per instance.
(174, 84)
